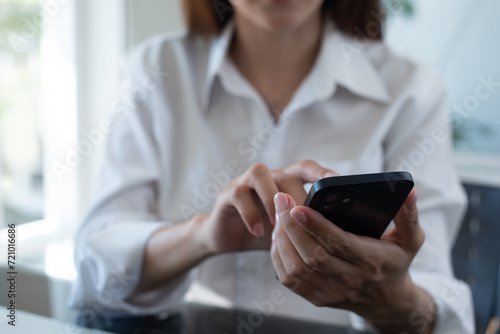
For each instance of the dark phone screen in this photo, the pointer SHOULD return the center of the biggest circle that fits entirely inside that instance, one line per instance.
(364, 205)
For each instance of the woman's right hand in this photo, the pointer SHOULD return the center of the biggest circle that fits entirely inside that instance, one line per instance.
(244, 214)
(242, 219)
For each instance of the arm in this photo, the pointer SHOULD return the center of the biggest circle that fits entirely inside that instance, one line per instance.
(398, 283)
(124, 238)
(240, 221)
(171, 252)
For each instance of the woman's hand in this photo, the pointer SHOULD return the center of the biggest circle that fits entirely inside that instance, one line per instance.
(244, 213)
(242, 219)
(331, 267)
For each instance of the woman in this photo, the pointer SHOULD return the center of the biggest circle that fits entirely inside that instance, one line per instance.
(205, 172)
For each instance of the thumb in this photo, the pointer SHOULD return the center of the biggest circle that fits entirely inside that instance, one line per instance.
(408, 229)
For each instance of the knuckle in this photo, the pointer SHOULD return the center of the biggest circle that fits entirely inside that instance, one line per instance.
(284, 179)
(308, 163)
(374, 269)
(341, 246)
(290, 282)
(238, 191)
(296, 271)
(258, 169)
(317, 260)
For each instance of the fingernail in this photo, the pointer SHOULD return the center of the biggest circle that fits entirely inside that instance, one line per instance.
(258, 229)
(281, 202)
(412, 202)
(299, 216)
(330, 174)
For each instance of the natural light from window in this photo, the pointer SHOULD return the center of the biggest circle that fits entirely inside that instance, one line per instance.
(21, 139)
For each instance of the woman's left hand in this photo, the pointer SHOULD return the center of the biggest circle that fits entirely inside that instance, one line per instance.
(330, 267)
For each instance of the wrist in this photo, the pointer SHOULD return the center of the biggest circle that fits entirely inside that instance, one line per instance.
(197, 228)
(412, 310)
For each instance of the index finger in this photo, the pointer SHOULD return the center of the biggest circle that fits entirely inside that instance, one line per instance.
(310, 250)
(335, 240)
(260, 179)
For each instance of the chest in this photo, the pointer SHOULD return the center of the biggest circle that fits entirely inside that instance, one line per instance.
(214, 148)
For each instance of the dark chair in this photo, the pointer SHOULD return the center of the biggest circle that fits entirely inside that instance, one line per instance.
(476, 254)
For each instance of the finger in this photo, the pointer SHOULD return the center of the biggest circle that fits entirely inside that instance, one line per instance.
(294, 267)
(299, 277)
(260, 179)
(311, 252)
(336, 241)
(290, 184)
(291, 283)
(243, 201)
(408, 232)
(309, 171)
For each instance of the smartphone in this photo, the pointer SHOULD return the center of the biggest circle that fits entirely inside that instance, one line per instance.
(361, 204)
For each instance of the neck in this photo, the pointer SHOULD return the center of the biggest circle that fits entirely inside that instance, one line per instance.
(276, 62)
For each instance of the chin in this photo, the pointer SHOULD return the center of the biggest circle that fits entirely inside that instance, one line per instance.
(280, 23)
(278, 15)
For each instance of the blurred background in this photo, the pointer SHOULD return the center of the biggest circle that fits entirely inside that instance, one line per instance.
(59, 69)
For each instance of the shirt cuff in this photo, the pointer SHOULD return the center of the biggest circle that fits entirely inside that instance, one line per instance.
(110, 263)
(453, 300)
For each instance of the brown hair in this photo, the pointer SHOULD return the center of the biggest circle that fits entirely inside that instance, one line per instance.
(363, 18)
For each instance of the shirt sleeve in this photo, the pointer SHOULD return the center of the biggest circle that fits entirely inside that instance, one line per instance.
(110, 245)
(420, 142)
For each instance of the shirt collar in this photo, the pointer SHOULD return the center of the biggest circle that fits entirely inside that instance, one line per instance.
(346, 63)
(340, 62)
(218, 53)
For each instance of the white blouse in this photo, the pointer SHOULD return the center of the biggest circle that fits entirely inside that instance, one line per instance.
(191, 122)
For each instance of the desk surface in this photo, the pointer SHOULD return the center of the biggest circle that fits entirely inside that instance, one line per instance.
(209, 320)
(27, 323)
(194, 319)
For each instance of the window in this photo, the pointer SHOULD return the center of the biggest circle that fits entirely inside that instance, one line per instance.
(37, 114)
(460, 38)
(21, 140)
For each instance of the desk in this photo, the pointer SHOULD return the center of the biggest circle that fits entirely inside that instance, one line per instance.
(202, 319)
(29, 323)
